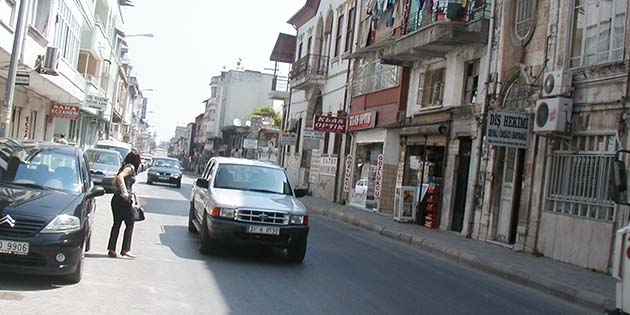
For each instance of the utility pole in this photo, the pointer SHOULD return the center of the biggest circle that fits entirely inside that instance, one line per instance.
(7, 108)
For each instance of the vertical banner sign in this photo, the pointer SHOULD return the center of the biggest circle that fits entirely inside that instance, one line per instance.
(27, 126)
(347, 173)
(379, 175)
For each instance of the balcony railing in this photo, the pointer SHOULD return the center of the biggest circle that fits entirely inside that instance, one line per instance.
(309, 66)
(280, 84)
(454, 11)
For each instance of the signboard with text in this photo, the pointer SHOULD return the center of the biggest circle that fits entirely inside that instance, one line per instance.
(347, 173)
(316, 158)
(95, 101)
(288, 138)
(508, 129)
(330, 124)
(362, 120)
(309, 133)
(64, 111)
(380, 160)
(328, 165)
(250, 143)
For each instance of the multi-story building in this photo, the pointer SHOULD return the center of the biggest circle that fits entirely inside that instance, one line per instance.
(234, 94)
(318, 85)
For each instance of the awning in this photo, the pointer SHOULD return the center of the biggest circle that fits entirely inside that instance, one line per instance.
(284, 49)
(90, 111)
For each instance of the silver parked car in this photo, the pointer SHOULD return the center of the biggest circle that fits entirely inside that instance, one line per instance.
(246, 201)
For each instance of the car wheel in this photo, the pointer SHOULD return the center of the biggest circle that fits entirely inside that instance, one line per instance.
(149, 182)
(206, 245)
(297, 250)
(179, 184)
(191, 217)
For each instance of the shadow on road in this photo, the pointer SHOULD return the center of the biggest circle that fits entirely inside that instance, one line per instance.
(184, 244)
(25, 283)
(164, 207)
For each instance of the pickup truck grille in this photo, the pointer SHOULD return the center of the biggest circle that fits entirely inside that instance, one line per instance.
(262, 216)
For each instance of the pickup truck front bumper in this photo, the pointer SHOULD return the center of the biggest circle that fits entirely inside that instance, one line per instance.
(223, 230)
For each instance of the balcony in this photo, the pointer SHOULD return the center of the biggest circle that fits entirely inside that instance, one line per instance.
(308, 72)
(433, 31)
(279, 88)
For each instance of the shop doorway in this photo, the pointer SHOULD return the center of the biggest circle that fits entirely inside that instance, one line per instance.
(461, 186)
(512, 165)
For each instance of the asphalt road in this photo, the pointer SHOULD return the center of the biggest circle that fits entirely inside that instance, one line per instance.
(346, 271)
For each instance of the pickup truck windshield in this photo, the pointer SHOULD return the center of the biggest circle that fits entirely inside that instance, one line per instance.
(252, 178)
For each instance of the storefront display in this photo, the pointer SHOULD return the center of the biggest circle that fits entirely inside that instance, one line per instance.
(423, 169)
(362, 190)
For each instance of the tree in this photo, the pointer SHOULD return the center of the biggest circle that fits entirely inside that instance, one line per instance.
(267, 112)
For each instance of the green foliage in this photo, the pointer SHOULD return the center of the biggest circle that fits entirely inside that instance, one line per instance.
(267, 112)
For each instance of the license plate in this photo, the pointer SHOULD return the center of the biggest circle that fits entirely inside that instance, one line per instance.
(15, 248)
(258, 229)
(163, 177)
(98, 180)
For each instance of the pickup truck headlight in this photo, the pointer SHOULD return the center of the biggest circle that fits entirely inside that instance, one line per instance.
(299, 219)
(223, 213)
(62, 224)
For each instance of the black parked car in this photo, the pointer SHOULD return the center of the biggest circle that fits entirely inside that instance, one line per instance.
(104, 165)
(46, 208)
(165, 170)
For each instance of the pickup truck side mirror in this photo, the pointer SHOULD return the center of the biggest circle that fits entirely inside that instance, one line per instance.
(299, 192)
(619, 183)
(202, 183)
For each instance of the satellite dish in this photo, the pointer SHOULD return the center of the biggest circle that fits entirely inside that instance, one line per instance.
(248, 123)
(236, 122)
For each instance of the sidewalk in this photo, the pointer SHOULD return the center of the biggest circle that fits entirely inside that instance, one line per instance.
(566, 281)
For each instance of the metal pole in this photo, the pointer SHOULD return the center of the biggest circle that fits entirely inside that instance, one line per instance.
(7, 108)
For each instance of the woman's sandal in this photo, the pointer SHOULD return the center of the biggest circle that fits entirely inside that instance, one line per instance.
(128, 254)
(112, 254)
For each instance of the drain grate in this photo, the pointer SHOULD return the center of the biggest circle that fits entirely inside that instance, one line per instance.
(10, 296)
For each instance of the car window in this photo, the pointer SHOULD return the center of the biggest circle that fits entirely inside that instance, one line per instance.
(108, 158)
(252, 178)
(166, 163)
(45, 169)
(87, 181)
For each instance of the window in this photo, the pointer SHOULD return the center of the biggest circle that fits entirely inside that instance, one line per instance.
(350, 30)
(517, 95)
(471, 82)
(7, 12)
(252, 178)
(299, 55)
(33, 125)
(339, 35)
(213, 91)
(524, 19)
(433, 89)
(598, 32)
(15, 121)
(372, 76)
(67, 34)
(577, 182)
(309, 43)
(41, 15)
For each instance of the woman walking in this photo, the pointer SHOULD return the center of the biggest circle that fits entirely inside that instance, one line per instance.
(122, 208)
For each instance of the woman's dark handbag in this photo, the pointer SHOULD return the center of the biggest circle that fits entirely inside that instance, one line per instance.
(138, 212)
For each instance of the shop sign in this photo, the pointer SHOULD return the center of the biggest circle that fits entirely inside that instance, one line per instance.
(27, 126)
(288, 138)
(400, 173)
(330, 124)
(328, 165)
(380, 160)
(508, 129)
(64, 111)
(362, 120)
(309, 133)
(347, 173)
(95, 101)
(250, 143)
(316, 157)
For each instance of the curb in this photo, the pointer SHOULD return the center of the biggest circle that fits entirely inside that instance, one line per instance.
(558, 289)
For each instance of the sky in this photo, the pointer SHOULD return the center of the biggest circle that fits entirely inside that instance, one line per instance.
(193, 41)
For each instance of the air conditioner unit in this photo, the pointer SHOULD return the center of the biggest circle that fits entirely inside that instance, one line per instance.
(50, 61)
(557, 83)
(552, 114)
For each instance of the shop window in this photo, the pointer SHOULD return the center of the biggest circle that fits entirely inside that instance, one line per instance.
(350, 29)
(338, 41)
(33, 125)
(417, 171)
(433, 88)
(577, 182)
(517, 95)
(523, 22)
(364, 180)
(471, 82)
(598, 32)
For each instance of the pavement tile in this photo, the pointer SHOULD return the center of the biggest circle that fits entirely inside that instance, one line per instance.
(567, 281)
